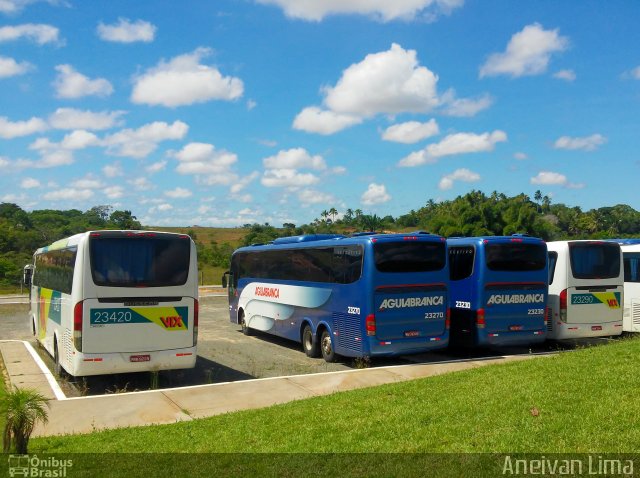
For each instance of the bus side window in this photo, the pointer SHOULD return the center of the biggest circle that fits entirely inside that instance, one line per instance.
(553, 258)
(461, 262)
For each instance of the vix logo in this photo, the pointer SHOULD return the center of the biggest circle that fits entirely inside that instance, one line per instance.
(174, 322)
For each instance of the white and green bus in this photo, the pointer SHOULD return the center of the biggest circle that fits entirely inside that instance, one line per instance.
(107, 302)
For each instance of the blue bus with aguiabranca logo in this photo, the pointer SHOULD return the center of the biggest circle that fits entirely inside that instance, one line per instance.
(498, 290)
(361, 296)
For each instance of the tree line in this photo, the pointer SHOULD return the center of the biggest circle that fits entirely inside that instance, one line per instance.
(22, 232)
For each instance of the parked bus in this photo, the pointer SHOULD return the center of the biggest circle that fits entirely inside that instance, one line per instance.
(116, 301)
(360, 296)
(586, 285)
(631, 262)
(498, 290)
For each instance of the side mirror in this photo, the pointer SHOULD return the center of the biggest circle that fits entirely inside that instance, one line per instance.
(27, 274)
(224, 279)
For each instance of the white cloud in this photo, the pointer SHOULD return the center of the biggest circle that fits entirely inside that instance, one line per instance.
(243, 182)
(15, 6)
(71, 84)
(295, 158)
(14, 129)
(29, 183)
(79, 139)
(462, 174)
(156, 167)
(139, 143)
(10, 67)
(550, 178)
(316, 120)
(520, 156)
(375, 194)
(458, 143)
(71, 118)
(112, 170)
(114, 192)
(388, 82)
(184, 81)
(635, 73)
(126, 31)
(528, 53)
(210, 165)
(38, 33)
(382, 10)
(141, 184)
(411, 131)
(88, 182)
(312, 196)
(273, 178)
(464, 107)
(567, 75)
(588, 143)
(164, 207)
(69, 194)
(178, 193)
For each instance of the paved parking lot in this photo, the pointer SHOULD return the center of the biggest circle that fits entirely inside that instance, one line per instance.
(225, 354)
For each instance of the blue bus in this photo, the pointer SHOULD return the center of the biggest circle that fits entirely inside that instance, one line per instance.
(498, 290)
(367, 295)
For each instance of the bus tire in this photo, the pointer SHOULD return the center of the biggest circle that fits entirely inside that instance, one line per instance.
(326, 346)
(311, 348)
(245, 328)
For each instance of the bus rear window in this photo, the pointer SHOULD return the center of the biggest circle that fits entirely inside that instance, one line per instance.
(514, 256)
(590, 260)
(139, 261)
(410, 256)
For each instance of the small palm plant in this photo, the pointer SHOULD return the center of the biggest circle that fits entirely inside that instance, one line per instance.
(23, 408)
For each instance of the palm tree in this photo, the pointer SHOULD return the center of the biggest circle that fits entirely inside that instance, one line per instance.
(23, 409)
(324, 215)
(333, 212)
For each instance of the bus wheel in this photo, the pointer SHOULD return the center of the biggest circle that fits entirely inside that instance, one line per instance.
(310, 348)
(57, 366)
(245, 329)
(326, 347)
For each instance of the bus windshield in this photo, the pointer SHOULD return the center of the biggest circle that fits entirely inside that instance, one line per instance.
(143, 261)
(591, 260)
(515, 256)
(410, 257)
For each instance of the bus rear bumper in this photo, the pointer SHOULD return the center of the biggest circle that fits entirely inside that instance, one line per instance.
(505, 338)
(126, 362)
(392, 348)
(564, 331)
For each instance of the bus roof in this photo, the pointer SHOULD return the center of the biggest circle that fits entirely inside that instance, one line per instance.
(77, 238)
(318, 240)
(520, 238)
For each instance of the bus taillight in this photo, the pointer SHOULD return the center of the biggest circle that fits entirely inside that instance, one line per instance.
(480, 322)
(371, 324)
(563, 305)
(77, 326)
(447, 322)
(195, 321)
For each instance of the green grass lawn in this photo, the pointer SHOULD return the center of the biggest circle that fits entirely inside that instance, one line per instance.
(584, 401)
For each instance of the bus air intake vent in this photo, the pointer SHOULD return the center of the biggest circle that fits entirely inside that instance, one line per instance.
(349, 333)
(635, 315)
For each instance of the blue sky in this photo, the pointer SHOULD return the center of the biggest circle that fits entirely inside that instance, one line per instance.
(231, 112)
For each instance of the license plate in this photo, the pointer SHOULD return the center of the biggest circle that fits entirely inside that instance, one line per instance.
(411, 333)
(514, 328)
(596, 327)
(139, 358)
